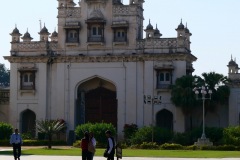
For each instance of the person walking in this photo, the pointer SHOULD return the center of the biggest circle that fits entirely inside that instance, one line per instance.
(16, 142)
(84, 146)
(110, 145)
(92, 145)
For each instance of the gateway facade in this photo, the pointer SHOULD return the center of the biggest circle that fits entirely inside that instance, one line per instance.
(98, 67)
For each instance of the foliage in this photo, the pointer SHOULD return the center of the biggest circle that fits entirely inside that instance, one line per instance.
(144, 134)
(4, 76)
(182, 94)
(129, 130)
(171, 146)
(5, 131)
(220, 91)
(98, 129)
(27, 135)
(146, 145)
(231, 135)
(182, 138)
(50, 127)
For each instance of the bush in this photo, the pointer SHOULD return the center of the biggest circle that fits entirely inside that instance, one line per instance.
(231, 135)
(172, 146)
(181, 138)
(129, 130)
(214, 134)
(34, 143)
(149, 145)
(99, 131)
(5, 131)
(145, 135)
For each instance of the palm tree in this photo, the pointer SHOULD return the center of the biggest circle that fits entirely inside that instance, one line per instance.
(218, 84)
(50, 127)
(182, 94)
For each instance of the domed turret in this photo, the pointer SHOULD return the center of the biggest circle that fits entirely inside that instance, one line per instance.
(44, 34)
(149, 27)
(149, 30)
(232, 66)
(157, 33)
(27, 37)
(15, 35)
(180, 26)
(54, 36)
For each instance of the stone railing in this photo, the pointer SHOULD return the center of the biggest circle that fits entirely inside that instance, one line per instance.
(33, 46)
(74, 12)
(125, 10)
(157, 43)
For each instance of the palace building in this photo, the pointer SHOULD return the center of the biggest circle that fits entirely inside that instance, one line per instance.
(100, 65)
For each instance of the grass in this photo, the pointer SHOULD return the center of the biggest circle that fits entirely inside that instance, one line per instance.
(134, 153)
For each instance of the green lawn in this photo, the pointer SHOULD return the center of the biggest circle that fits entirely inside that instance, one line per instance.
(135, 153)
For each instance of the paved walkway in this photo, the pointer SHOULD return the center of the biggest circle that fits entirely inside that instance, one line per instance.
(33, 157)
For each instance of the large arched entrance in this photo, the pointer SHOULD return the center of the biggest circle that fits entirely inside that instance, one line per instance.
(164, 119)
(96, 102)
(29, 122)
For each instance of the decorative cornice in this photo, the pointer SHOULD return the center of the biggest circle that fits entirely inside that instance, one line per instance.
(102, 59)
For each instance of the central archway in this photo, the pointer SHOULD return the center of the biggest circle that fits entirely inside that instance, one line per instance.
(96, 102)
(164, 119)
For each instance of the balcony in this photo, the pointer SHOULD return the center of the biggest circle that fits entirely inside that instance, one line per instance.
(163, 86)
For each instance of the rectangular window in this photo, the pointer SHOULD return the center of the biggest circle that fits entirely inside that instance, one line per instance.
(27, 81)
(163, 79)
(99, 31)
(94, 31)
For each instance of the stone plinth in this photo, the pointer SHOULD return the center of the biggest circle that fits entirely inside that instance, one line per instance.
(203, 142)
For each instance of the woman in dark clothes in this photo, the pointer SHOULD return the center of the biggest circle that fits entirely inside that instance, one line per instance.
(84, 146)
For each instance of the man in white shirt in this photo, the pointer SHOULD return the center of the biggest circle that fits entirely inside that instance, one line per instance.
(16, 142)
(110, 145)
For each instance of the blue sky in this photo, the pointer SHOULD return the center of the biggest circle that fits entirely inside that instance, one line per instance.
(215, 26)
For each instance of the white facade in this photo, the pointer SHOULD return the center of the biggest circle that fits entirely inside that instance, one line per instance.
(99, 51)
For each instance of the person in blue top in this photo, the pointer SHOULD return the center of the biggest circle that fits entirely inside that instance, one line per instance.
(16, 142)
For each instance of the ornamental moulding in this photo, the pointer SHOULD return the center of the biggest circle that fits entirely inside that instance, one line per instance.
(103, 59)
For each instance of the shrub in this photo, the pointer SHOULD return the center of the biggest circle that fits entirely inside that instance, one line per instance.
(145, 135)
(214, 134)
(5, 131)
(226, 148)
(149, 145)
(172, 146)
(181, 138)
(77, 144)
(98, 129)
(231, 135)
(129, 130)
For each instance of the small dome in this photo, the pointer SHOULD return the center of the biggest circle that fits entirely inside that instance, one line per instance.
(44, 30)
(232, 63)
(15, 31)
(27, 36)
(54, 34)
(157, 32)
(181, 26)
(149, 27)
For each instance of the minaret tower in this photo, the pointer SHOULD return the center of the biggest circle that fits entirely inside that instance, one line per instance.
(149, 30)
(15, 35)
(27, 37)
(181, 35)
(44, 34)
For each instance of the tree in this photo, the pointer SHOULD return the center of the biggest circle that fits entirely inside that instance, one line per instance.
(218, 84)
(182, 94)
(50, 127)
(4, 76)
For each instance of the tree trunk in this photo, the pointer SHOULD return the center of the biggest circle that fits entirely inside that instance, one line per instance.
(49, 141)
